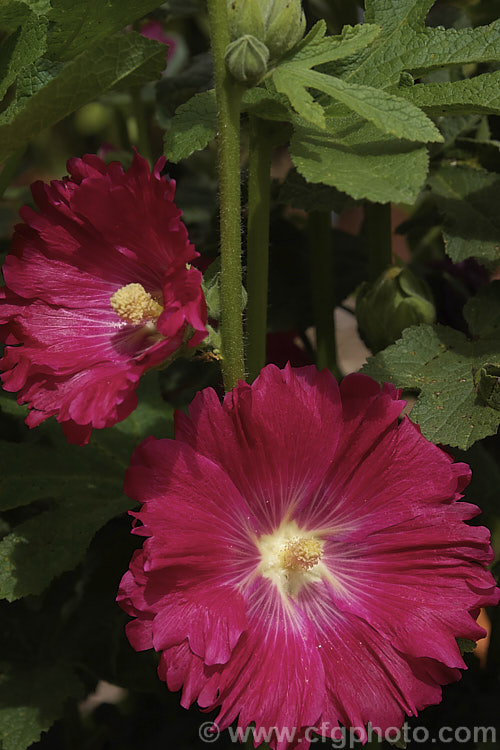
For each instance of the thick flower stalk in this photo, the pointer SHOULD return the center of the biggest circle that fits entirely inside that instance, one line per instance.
(307, 561)
(99, 288)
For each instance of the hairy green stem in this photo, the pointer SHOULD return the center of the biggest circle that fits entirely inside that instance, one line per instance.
(228, 95)
(259, 196)
(378, 232)
(321, 262)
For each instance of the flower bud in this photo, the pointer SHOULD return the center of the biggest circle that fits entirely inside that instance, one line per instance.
(285, 27)
(246, 17)
(395, 301)
(247, 59)
(487, 382)
(279, 24)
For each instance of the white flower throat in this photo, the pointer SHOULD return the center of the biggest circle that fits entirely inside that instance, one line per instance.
(291, 558)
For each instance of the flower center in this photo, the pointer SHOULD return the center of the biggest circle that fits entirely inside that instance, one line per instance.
(291, 557)
(135, 305)
(300, 553)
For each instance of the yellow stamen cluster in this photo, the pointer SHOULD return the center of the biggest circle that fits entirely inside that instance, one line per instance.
(301, 553)
(135, 305)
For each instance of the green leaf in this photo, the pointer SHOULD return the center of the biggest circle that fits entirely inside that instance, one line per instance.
(31, 80)
(466, 646)
(406, 44)
(8, 405)
(266, 103)
(467, 199)
(480, 94)
(440, 363)
(393, 14)
(298, 193)
(401, 20)
(32, 699)
(193, 126)
(22, 47)
(437, 48)
(78, 490)
(40, 7)
(13, 13)
(174, 90)
(356, 158)
(389, 113)
(151, 417)
(51, 92)
(317, 49)
(54, 541)
(364, 163)
(68, 472)
(483, 310)
(77, 25)
(290, 82)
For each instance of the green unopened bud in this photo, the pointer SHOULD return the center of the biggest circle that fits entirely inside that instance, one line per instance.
(247, 59)
(396, 300)
(487, 382)
(245, 17)
(279, 24)
(285, 27)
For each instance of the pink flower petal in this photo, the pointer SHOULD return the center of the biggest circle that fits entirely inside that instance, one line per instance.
(360, 623)
(286, 424)
(97, 231)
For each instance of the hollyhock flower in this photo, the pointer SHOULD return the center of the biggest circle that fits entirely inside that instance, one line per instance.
(306, 561)
(154, 30)
(98, 290)
(177, 50)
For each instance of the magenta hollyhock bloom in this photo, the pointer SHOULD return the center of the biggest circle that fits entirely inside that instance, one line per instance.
(154, 30)
(98, 290)
(307, 563)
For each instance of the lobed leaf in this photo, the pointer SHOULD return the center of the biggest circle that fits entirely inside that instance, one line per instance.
(54, 541)
(438, 48)
(467, 199)
(395, 14)
(317, 49)
(298, 193)
(51, 91)
(75, 25)
(68, 472)
(406, 44)
(388, 112)
(483, 311)
(391, 114)
(78, 490)
(192, 128)
(24, 45)
(439, 363)
(356, 158)
(472, 95)
(31, 699)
